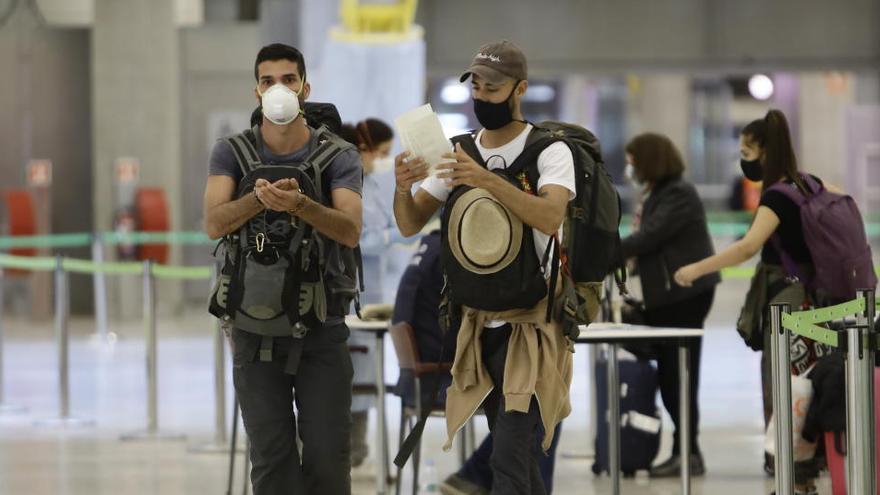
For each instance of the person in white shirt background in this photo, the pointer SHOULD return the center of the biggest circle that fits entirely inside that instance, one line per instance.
(373, 139)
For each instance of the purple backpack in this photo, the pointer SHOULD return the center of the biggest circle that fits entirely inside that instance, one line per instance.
(835, 236)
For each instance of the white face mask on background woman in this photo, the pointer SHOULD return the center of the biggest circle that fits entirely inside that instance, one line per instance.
(280, 104)
(629, 173)
(383, 164)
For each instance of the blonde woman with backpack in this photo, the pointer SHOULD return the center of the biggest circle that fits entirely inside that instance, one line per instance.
(777, 233)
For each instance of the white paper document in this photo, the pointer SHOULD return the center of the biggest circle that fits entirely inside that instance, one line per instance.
(422, 135)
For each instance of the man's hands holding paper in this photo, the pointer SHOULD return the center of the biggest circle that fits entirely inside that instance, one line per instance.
(459, 169)
(464, 171)
(408, 170)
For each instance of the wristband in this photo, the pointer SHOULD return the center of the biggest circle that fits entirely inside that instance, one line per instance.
(300, 204)
(259, 201)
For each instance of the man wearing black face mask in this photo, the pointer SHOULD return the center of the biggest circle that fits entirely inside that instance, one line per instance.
(490, 341)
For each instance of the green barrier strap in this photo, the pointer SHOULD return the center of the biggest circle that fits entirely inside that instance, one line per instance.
(86, 267)
(27, 262)
(831, 313)
(738, 272)
(73, 265)
(182, 272)
(191, 237)
(809, 330)
(45, 241)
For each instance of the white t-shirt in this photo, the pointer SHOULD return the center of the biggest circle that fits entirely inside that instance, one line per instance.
(555, 166)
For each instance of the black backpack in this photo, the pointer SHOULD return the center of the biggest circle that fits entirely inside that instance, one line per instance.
(591, 247)
(277, 279)
(520, 285)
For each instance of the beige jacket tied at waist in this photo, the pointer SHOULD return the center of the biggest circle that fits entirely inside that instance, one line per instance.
(539, 363)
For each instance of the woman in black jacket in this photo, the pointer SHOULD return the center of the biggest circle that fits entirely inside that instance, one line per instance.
(672, 233)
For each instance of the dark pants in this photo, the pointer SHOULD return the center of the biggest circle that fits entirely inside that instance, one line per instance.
(477, 469)
(515, 451)
(690, 313)
(316, 373)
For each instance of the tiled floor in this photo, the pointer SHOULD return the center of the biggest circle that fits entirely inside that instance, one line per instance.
(108, 386)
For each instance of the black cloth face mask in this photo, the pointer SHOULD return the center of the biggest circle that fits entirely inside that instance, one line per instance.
(493, 116)
(752, 169)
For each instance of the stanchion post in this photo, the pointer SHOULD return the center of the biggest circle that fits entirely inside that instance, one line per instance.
(99, 284)
(152, 348)
(62, 339)
(781, 347)
(860, 399)
(219, 384)
(219, 444)
(152, 430)
(855, 427)
(4, 407)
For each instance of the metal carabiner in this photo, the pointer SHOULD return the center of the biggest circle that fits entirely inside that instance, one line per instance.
(261, 241)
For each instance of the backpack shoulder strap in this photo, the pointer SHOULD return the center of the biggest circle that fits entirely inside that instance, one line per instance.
(468, 144)
(539, 139)
(329, 147)
(243, 146)
(793, 192)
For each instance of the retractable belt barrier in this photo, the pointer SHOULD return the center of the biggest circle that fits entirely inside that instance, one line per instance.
(859, 341)
(150, 272)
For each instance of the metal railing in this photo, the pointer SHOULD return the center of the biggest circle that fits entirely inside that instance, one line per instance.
(860, 342)
(149, 272)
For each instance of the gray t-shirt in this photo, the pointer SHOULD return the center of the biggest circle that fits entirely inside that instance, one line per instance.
(346, 172)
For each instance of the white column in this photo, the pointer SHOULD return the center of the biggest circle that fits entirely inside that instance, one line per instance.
(824, 99)
(136, 111)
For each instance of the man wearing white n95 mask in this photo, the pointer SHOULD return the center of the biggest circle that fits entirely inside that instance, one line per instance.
(496, 339)
(307, 361)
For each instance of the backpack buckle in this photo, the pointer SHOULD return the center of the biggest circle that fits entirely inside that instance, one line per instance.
(299, 330)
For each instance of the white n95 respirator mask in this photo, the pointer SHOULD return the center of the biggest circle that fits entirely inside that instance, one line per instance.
(280, 104)
(383, 164)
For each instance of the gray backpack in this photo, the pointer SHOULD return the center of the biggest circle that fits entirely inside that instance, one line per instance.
(280, 277)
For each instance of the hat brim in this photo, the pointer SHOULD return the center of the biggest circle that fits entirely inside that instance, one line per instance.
(487, 74)
(456, 215)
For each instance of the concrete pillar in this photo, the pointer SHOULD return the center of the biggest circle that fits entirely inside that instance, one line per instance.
(660, 103)
(136, 107)
(318, 17)
(868, 88)
(280, 22)
(824, 98)
(579, 101)
(786, 97)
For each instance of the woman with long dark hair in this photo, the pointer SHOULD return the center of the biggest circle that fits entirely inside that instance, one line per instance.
(767, 155)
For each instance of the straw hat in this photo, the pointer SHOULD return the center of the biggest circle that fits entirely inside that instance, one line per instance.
(484, 236)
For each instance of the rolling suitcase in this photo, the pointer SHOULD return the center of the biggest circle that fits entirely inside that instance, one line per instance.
(640, 422)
